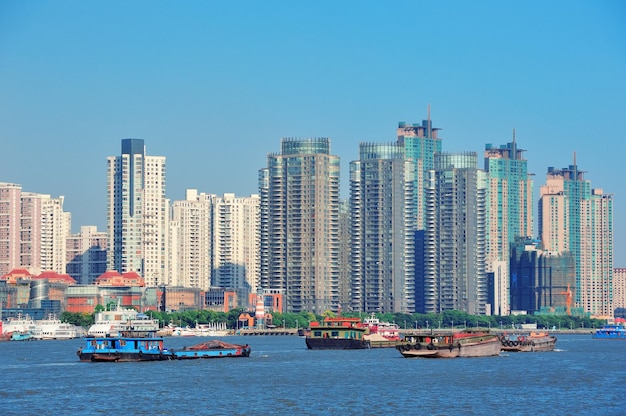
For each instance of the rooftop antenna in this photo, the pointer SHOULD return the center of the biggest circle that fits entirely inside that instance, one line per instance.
(430, 130)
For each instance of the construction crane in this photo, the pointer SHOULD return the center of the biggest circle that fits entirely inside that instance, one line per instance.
(568, 300)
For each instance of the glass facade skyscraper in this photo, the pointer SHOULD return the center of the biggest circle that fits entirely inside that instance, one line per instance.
(454, 236)
(299, 205)
(509, 214)
(383, 224)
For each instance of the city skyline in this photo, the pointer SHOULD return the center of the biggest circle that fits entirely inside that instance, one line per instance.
(214, 87)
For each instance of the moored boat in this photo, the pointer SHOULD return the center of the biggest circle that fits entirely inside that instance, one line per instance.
(212, 349)
(450, 345)
(337, 334)
(53, 328)
(533, 342)
(21, 336)
(110, 323)
(381, 334)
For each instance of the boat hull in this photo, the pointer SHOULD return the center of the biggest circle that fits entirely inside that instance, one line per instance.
(212, 349)
(611, 331)
(336, 344)
(539, 344)
(474, 345)
(116, 356)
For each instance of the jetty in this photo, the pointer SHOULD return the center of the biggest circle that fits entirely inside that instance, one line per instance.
(269, 331)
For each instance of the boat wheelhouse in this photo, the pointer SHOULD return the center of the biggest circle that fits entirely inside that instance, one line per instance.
(337, 334)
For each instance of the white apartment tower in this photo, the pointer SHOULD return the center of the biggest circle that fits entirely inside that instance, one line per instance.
(138, 213)
(44, 230)
(191, 240)
(236, 240)
(33, 229)
(10, 208)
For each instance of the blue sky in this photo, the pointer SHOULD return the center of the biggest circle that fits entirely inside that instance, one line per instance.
(214, 86)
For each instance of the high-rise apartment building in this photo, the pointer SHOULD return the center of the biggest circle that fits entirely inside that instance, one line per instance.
(44, 230)
(87, 254)
(299, 192)
(191, 240)
(383, 225)
(454, 236)
(33, 230)
(345, 252)
(138, 213)
(619, 291)
(420, 142)
(575, 218)
(236, 244)
(509, 213)
(10, 217)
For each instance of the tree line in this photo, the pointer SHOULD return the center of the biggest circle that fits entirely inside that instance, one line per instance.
(448, 319)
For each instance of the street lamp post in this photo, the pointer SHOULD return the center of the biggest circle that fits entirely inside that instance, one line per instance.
(427, 325)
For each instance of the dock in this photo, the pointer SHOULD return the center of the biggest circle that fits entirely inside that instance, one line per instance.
(273, 331)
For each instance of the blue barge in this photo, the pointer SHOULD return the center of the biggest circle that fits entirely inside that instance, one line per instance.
(129, 346)
(136, 345)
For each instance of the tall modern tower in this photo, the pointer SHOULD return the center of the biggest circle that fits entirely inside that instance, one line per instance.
(299, 193)
(574, 217)
(10, 217)
(383, 223)
(138, 213)
(420, 142)
(509, 214)
(455, 234)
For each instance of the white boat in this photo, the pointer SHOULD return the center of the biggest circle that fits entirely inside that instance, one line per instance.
(20, 324)
(53, 328)
(109, 323)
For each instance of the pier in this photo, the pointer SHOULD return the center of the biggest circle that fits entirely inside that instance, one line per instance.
(272, 331)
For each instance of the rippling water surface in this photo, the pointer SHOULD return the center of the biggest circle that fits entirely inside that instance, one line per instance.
(583, 376)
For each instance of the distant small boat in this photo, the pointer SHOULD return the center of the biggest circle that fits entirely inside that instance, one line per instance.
(337, 334)
(212, 349)
(450, 345)
(611, 331)
(533, 342)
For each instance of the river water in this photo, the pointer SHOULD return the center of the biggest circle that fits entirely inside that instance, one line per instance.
(281, 377)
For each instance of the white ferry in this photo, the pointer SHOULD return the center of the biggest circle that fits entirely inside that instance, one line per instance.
(109, 323)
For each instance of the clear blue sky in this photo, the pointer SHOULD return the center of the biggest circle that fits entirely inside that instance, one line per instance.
(214, 86)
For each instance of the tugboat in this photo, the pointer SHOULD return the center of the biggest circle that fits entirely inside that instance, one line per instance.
(337, 334)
